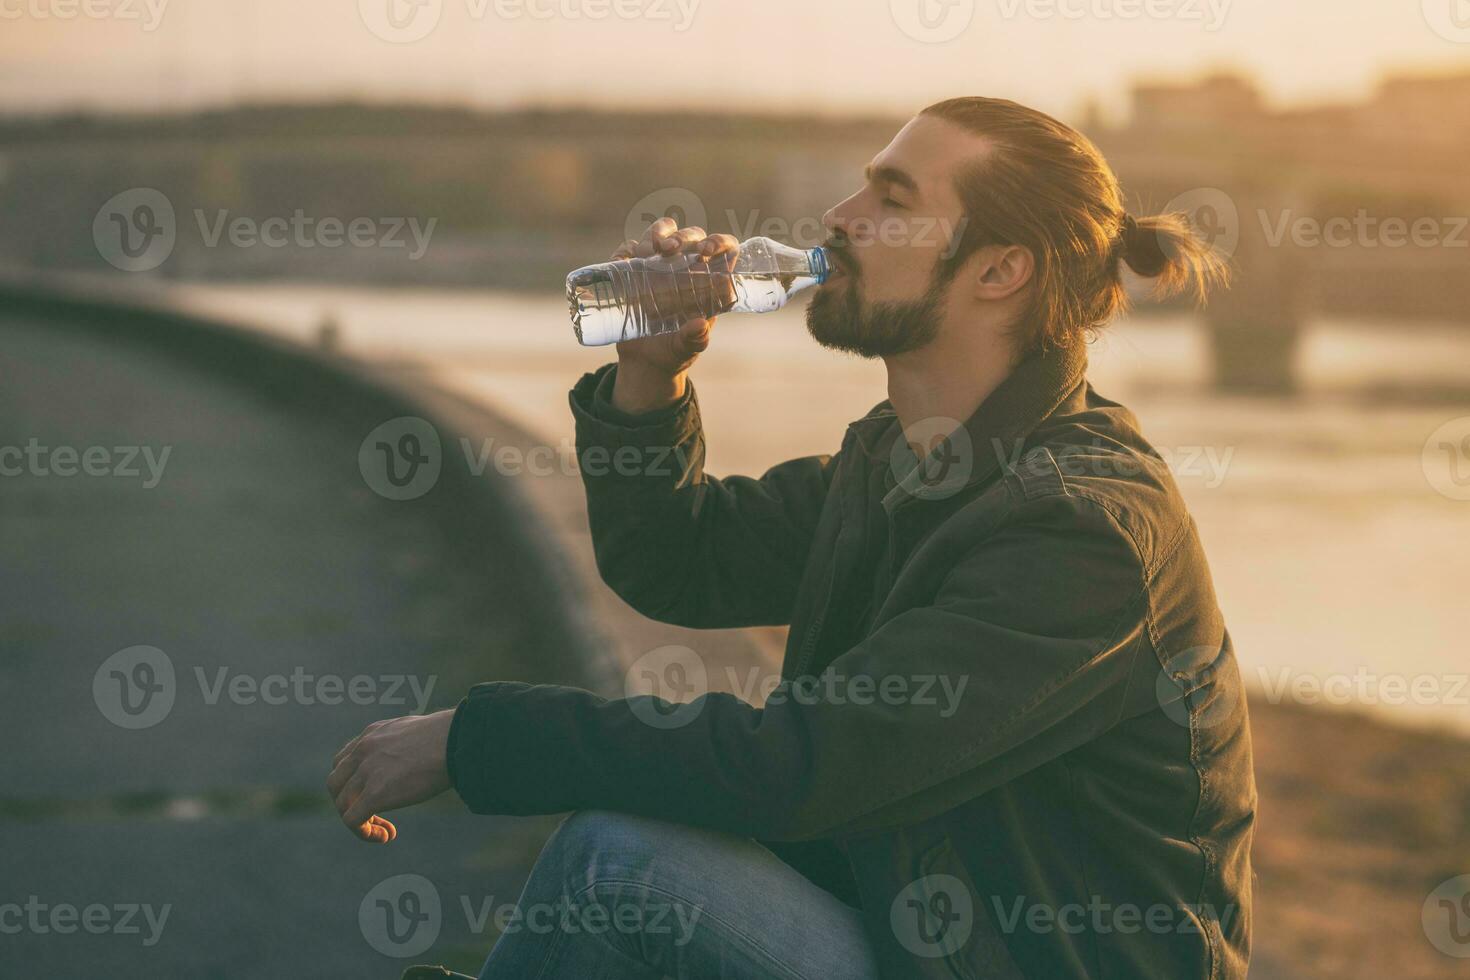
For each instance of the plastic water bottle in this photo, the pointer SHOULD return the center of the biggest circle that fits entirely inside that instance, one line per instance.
(630, 298)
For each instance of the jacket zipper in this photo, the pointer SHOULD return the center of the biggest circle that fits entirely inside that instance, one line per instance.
(809, 642)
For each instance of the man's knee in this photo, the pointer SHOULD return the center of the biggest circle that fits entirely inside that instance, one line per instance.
(622, 878)
(593, 843)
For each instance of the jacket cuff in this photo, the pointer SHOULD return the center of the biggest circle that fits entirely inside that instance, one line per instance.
(492, 755)
(599, 423)
(449, 756)
(464, 756)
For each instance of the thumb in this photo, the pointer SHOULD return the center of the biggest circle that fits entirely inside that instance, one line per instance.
(377, 830)
(695, 335)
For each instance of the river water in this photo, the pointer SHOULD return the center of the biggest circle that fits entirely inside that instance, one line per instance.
(1341, 569)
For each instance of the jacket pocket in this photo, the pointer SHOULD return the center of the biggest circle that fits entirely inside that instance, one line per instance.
(933, 917)
(942, 917)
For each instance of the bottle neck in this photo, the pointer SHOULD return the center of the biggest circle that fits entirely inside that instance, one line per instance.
(820, 265)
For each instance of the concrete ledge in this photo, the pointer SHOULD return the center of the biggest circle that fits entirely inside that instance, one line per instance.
(359, 396)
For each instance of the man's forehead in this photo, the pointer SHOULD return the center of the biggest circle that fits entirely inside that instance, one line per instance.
(930, 150)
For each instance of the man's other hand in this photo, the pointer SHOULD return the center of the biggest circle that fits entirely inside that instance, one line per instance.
(392, 764)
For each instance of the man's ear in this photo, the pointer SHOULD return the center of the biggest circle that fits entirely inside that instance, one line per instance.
(1002, 271)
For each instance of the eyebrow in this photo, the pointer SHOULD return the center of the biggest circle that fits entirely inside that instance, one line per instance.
(891, 175)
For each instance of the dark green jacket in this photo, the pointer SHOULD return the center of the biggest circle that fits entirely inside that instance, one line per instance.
(1079, 804)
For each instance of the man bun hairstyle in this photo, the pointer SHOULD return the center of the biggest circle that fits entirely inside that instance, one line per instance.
(1046, 187)
(1164, 248)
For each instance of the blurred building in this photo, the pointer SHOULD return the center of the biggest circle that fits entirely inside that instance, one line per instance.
(1433, 108)
(1410, 110)
(1217, 102)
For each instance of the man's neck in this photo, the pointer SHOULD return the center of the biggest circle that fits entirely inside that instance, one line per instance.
(945, 381)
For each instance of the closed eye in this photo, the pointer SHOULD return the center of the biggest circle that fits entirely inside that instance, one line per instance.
(890, 202)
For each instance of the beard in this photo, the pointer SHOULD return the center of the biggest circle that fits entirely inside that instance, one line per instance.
(840, 320)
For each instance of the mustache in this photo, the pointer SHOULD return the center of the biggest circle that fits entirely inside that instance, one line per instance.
(837, 249)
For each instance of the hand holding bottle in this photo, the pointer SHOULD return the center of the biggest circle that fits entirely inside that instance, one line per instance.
(652, 370)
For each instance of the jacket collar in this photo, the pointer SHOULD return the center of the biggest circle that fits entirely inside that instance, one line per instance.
(988, 440)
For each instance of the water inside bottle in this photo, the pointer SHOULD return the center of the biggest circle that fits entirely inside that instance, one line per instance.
(629, 299)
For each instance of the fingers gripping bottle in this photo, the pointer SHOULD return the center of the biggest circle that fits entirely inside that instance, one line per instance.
(630, 298)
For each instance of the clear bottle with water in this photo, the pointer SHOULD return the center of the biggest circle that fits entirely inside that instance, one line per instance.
(626, 299)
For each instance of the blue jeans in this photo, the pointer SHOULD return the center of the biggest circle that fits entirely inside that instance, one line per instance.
(614, 896)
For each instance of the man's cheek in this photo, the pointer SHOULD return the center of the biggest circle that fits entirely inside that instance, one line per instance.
(894, 280)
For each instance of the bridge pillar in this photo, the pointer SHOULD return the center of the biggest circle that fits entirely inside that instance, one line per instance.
(1251, 355)
(1255, 326)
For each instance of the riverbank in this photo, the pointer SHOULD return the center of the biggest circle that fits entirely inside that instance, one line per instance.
(1359, 822)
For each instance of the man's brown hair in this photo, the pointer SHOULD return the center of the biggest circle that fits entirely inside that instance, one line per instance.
(1046, 187)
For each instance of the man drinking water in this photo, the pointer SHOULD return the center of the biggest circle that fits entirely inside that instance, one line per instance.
(1083, 807)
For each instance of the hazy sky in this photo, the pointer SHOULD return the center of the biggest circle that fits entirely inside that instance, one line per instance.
(826, 55)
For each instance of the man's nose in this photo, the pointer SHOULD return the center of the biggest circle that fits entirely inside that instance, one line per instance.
(831, 221)
(844, 220)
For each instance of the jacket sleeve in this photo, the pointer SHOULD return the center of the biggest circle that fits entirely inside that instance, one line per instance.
(1024, 655)
(677, 544)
